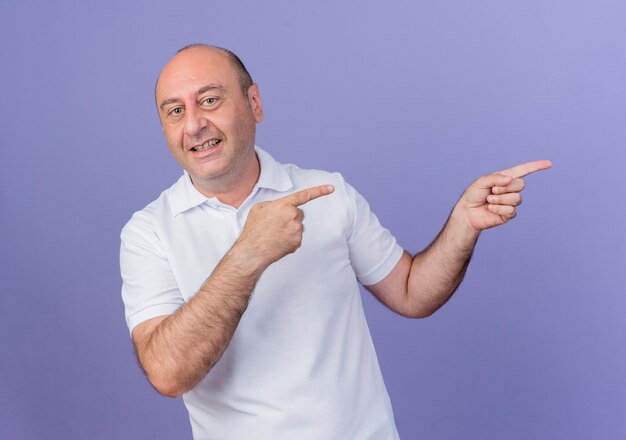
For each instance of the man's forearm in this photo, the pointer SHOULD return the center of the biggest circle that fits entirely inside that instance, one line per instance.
(185, 346)
(437, 271)
(418, 286)
(179, 350)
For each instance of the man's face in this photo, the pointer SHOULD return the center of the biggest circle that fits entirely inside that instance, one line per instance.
(208, 122)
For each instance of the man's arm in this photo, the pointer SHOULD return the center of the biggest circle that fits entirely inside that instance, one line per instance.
(178, 350)
(418, 286)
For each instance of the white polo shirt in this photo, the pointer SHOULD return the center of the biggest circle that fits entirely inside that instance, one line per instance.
(301, 363)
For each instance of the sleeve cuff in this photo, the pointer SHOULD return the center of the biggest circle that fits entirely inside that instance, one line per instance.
(149, 313)
(384, 269)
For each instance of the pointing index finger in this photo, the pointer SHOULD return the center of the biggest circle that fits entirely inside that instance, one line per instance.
(306, 195)
(526, 168)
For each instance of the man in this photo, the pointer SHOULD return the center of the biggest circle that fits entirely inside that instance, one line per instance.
(241, 280)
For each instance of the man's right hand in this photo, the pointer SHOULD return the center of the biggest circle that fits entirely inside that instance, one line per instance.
(274, 229)
(202, 328)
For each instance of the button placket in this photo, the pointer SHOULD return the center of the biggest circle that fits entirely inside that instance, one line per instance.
(238, 222)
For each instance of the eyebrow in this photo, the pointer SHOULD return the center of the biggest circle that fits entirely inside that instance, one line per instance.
(198, 92)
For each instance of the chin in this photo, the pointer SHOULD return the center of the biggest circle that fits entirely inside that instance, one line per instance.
(209, 173)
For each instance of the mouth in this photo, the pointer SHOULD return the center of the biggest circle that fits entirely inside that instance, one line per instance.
(208, 145)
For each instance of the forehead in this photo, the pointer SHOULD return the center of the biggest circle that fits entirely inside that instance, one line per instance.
(194, 68)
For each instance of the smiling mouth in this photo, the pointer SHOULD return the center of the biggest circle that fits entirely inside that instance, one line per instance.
(207, 145)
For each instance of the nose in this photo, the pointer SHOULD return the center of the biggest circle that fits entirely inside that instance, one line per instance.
(195, 121)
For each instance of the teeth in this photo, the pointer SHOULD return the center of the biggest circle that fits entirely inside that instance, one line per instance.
(206, 145)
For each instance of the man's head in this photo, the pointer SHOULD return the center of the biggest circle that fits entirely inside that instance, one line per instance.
(245, 79)
(209, 107)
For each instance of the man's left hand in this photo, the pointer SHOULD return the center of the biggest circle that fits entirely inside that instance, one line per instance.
(491, 200)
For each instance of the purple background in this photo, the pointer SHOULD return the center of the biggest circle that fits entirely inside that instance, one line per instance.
(411, 101)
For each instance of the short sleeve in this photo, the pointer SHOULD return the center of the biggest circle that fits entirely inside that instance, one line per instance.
(374, 251)
(149, 288)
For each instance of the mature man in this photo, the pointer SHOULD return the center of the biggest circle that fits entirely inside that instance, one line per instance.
(241, 280)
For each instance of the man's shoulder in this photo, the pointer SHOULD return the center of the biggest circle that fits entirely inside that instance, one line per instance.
(154, 212)
(345, 194)
(307, 177)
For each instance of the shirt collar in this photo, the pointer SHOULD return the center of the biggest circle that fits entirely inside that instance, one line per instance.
(185, 196)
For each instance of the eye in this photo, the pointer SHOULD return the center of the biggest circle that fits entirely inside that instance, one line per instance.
(210, 101)
(176, 111)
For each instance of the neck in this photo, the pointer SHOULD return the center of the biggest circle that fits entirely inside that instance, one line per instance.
(237, 187)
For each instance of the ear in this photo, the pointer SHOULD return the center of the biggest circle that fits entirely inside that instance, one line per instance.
(254, 101)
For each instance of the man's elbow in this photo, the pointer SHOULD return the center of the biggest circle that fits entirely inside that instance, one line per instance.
(165, 381)
(418, 310)
(169, 392)
(419, 313)
(166, 385)
(168, 378)
(420, 305)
